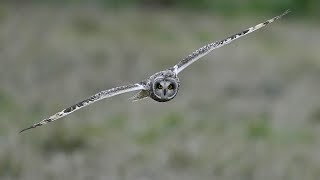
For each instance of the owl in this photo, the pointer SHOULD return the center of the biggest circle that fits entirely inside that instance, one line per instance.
(162, 86)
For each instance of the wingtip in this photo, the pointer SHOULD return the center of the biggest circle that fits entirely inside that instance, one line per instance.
(31, 127)
(286, 12)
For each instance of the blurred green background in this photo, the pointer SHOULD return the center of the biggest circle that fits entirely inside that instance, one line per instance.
(225, 7)
(250, 110)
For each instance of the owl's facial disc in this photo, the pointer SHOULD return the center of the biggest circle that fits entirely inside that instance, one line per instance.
(165, 89)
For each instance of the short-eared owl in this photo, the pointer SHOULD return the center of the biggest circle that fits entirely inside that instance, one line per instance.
(162, 86)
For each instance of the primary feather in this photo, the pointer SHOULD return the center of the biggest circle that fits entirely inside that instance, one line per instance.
(209, 47)
(88, 101)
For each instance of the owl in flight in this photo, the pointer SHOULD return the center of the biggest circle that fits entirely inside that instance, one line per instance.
(161, 86)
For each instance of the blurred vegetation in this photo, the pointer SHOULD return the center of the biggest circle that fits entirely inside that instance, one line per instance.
(225, 7)
(250, 110)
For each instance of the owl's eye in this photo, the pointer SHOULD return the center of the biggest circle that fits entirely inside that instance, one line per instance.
(170, 87)
(159, 86)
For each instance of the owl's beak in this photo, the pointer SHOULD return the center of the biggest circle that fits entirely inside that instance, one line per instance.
(164, 92)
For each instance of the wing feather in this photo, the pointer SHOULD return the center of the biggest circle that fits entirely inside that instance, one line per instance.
(101, 95)
(209, 47)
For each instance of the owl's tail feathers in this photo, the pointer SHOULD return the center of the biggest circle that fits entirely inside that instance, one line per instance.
(139, 96)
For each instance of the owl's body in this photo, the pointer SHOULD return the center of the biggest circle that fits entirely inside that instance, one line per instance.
(162, 86)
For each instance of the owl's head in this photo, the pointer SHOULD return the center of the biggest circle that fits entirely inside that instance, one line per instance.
(164, 88)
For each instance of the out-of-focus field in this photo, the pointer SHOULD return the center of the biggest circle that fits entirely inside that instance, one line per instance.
(250, 110)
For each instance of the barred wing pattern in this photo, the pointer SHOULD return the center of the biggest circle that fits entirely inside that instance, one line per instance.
(86, 102)
(208, 48)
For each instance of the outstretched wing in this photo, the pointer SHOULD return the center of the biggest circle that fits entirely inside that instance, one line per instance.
(209, 47)
(86, 102)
